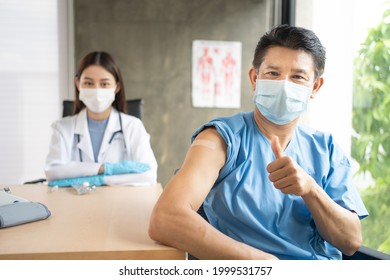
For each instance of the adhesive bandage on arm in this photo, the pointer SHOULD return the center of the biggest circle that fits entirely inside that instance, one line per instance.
(204, 143)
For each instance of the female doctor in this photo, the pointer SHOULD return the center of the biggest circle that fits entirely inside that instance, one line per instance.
(100, 144)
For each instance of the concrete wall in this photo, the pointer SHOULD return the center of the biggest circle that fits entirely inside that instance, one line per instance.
(151, 40)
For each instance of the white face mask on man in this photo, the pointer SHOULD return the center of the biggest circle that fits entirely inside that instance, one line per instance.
(97, 100)
(281, 101)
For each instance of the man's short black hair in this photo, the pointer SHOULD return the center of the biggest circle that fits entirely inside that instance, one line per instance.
(296, 38)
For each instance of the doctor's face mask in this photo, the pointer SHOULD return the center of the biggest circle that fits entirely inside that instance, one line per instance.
(97, 100)
(97, 88)
(281, 101)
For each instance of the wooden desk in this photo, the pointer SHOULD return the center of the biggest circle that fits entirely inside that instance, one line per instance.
(109, 223)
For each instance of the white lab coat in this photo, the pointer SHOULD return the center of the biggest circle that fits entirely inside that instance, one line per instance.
(64, 161)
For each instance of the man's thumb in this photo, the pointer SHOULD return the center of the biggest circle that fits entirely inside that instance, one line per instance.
(276, 148)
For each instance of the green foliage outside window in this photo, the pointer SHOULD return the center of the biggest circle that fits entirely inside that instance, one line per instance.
(371, 122)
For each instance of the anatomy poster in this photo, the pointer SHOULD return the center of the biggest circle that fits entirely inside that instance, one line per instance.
(216, 74)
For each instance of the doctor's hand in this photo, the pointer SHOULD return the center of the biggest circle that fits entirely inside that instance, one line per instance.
(287, 175)
(124, 167)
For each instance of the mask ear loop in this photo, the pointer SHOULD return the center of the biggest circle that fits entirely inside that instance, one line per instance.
(318, 82)
(257, 78)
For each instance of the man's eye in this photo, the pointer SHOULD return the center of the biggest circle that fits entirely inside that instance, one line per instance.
(298, 77)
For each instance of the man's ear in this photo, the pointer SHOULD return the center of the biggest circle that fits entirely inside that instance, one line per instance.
(316, 87)
(253, 77)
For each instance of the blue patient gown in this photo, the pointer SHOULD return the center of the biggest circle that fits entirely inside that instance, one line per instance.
(246, 206)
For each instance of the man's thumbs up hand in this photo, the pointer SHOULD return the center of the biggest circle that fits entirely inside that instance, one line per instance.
(276, 148)
(285, 174)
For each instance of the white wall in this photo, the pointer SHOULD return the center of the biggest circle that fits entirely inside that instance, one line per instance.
(33, 81)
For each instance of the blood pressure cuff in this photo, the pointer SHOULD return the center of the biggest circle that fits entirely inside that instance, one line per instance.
(21, 213)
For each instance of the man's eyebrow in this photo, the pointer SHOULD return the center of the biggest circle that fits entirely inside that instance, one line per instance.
(303, 71)
(297, 70)
(273, 67)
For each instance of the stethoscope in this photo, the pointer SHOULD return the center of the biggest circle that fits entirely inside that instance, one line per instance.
(109, 142)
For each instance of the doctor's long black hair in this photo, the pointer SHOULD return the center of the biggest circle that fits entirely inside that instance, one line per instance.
(106, 61)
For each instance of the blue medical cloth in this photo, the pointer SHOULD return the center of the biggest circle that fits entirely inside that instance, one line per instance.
(96, 180)
(246, 206)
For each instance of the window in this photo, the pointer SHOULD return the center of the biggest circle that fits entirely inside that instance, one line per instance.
(371, 124)
(33, 78)
(354, 103)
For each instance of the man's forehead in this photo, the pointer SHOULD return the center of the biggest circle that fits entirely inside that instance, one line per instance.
(280, 57)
